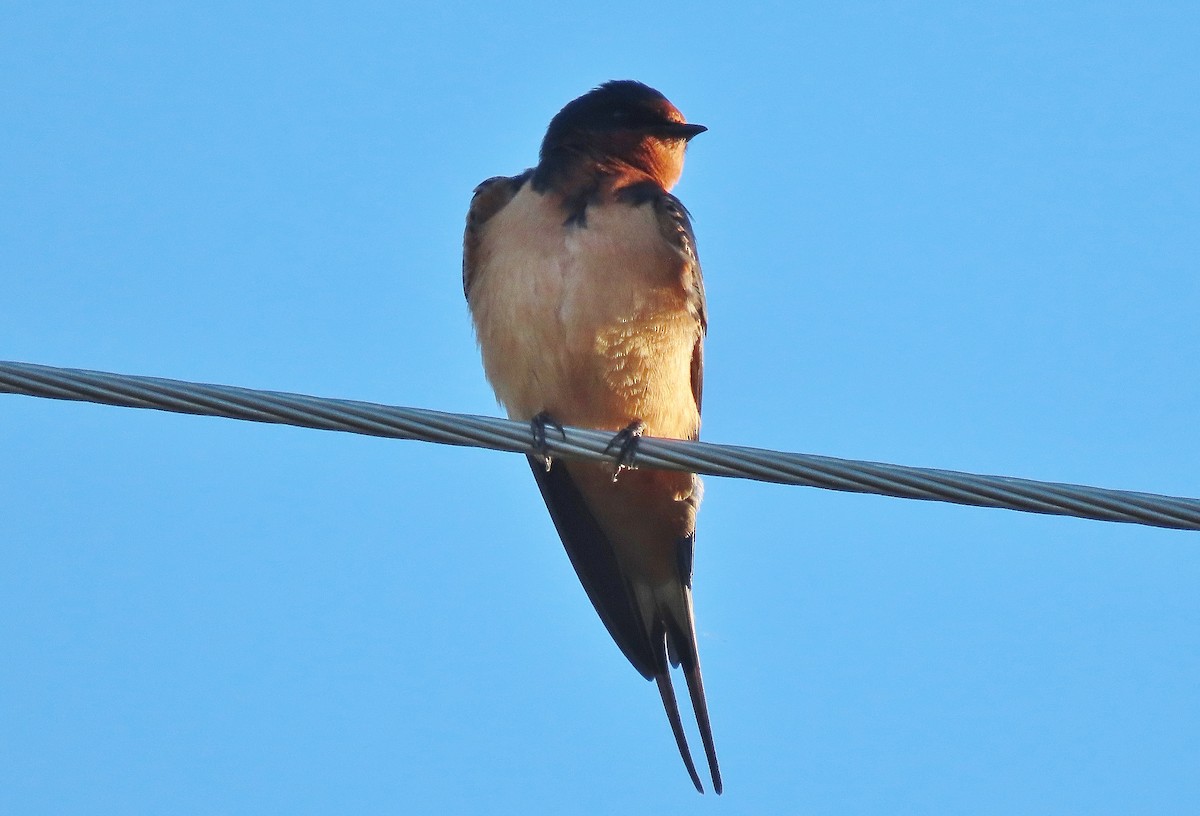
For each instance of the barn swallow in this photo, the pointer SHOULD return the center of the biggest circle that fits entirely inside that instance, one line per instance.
(585, 291)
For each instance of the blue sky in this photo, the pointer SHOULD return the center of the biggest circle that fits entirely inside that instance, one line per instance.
(961, 236)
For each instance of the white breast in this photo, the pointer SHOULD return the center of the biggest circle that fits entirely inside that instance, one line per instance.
(589, 323)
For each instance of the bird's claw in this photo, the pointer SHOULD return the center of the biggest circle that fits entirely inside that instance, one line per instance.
(537, 427)
(626, 443)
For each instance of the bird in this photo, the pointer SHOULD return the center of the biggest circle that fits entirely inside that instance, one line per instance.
(585, 290)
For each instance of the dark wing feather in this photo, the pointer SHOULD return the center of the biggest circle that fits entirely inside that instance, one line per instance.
(676, 228)
(595, 563)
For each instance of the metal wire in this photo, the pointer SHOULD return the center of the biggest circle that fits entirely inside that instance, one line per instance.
(580, 443)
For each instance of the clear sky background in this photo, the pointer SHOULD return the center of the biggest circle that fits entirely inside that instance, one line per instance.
(943, 234)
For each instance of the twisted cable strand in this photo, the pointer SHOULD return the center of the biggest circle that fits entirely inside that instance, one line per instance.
(352, 416)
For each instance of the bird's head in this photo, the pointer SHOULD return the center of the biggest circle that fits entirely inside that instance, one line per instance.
(622, 122)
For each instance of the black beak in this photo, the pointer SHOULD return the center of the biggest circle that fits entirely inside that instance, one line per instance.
(681, 130)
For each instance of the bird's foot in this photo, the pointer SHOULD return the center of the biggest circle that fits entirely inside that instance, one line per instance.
(537, 426)
(626, 442)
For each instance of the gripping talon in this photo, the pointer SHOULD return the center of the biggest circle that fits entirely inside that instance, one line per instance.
(537, 427)
(626, 443)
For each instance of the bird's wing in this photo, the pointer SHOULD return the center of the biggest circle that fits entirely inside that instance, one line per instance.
(595, 562)
(675, 225)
